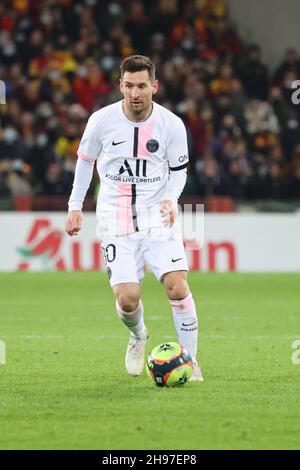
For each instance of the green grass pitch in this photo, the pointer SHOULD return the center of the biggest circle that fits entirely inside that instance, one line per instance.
(64, 385)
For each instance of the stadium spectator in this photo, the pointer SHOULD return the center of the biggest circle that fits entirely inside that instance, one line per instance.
(290, 63)
(253, 74)
(212, 180)
(55, 55)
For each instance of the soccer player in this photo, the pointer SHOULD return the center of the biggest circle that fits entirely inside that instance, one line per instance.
(141, 153)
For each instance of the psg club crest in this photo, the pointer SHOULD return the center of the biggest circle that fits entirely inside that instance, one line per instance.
(152, 145)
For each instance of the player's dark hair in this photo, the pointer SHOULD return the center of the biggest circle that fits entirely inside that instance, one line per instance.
(137, 63)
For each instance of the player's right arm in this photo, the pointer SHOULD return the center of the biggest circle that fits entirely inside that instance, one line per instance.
(89, 149)
(73, 222)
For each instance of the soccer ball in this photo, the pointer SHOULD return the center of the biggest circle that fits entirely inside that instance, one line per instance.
(169, 364)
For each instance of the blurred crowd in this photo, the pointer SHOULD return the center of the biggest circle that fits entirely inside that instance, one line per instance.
(60, 62)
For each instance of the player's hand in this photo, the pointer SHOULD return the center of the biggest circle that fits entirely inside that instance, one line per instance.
(73, 222)
(168, 212)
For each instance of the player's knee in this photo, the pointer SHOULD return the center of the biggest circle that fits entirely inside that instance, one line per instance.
(177, 292)
(177, 289)
(128, 302)
(127, 296)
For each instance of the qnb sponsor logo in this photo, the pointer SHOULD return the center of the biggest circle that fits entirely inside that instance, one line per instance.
(296, 353)
(183, 158)
(2, 353)
(296, 94)
(2, 92)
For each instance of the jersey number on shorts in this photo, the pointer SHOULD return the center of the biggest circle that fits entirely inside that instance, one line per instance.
(109, 253)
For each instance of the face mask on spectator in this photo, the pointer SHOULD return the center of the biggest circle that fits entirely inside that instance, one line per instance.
(187, 44)
(107, 62)
(54, 74)
(45, 110)
(82, 71)
(69, 165)
(17, 165)
(46, 18)
(24, 23)
(288, 84)
(9, 50)
(292, 124)
(10, 135)
(178, 61)
(114, 9)
(41, 140)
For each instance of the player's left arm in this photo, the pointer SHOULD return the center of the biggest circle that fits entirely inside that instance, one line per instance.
(177, 154)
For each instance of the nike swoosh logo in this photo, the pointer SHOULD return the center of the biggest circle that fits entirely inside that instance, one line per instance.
(174, 260)
(118, 143)
(190, 324)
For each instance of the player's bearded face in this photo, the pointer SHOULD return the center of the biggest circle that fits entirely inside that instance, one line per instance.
(138, 89)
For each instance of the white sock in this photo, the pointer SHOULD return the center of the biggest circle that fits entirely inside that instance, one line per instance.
(133, 320)
(186, 324)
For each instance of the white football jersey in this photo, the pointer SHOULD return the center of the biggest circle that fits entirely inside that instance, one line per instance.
(133, 162)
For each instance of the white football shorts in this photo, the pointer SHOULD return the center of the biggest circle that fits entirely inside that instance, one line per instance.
(161, 250)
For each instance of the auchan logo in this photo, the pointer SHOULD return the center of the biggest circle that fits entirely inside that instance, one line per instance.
(212, 257)
(44, 246)
(50, 249)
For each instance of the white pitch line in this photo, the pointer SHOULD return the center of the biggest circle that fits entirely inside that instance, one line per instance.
(117, 337)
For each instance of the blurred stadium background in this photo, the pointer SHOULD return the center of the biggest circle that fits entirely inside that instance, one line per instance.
(227, 75)
(227, 68)
(220, 68)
